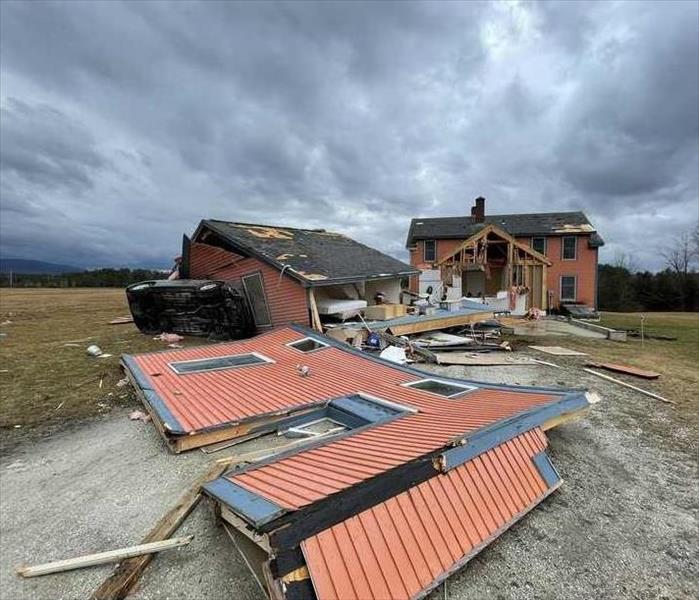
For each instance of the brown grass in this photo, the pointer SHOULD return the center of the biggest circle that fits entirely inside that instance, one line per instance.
(43, 381)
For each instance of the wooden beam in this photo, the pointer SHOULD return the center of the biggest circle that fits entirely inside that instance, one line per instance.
(315, 317)
(628, 385)
(101, 558)
(125, 576)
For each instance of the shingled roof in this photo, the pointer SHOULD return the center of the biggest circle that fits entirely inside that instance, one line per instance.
(313, 256)
(517, 224)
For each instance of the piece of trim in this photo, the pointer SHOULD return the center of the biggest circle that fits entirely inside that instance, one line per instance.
(546, 469)
(503, 431)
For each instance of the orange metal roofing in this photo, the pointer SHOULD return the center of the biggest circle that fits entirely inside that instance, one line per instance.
(403, 547)
(208, 399)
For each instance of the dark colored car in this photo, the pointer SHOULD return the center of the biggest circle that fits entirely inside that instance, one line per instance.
(212, 309)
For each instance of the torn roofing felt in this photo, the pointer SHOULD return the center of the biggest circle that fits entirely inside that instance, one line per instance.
(197, 401)
(313, 256)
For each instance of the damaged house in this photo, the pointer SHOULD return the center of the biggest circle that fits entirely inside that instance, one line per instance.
(513, 262)
(394, 477)
(294, 275)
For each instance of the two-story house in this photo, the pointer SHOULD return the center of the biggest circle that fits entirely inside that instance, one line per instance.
(553, 256)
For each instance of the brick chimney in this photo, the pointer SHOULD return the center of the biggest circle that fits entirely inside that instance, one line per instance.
(478, 210)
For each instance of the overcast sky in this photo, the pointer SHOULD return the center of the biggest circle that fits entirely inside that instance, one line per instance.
(123, 124)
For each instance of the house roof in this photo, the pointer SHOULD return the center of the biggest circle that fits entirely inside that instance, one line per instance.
(531, 224)
(313, 256)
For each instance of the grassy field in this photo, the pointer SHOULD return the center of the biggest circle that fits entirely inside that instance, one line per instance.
(46, 377)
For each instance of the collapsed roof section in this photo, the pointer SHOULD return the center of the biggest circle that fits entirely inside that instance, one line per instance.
(403, 477)
(314, 257)
(207, 394)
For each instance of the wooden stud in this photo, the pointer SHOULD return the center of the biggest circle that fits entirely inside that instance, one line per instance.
(631, 387)
(102, 557)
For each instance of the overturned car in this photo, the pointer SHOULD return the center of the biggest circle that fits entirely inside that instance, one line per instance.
(213, 309)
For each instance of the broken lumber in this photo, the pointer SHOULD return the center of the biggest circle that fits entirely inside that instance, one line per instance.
(628, 385)
(101, 558)
(626, 370)
(120, 582)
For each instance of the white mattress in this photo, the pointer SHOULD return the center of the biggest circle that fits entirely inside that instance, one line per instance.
(329, 306)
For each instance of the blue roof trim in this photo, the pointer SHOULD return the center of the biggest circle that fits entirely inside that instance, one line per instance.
(494, 435)
(546, 469)
(307, 331)
(168, 419)
(365, 408)
(252, 507)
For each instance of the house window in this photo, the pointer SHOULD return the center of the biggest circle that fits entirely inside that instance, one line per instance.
(218, 363)
(441, 388)
(570, 247)
(430, 251)
(568, 285)
(255, 291)
(307, 345)
(539, 244)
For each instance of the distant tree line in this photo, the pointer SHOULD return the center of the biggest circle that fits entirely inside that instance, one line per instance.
(118, 278)
(676, 288)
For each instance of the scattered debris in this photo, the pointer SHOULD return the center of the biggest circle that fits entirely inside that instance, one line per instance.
(543, 362)
(303, 370)
(625, 369)
(558, 351)
(102, 557)
(94, 350)
(175, 346)
(394, 354)
(60, 405)
(139, 415)
(628, 385)
(169, 338)
(6, 322)
(121, 321)
(122, 382)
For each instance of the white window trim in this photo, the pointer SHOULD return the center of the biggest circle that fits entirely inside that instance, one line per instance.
(563, 246)
(323, 345)
(265, 360)
(465, 387)
(424, 251)
(575, 289)
(539, 237)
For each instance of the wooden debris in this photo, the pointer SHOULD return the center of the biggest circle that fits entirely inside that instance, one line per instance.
(625, 369)
(455, 358)
(124, 577)
(558, 351)
(121, 321)
(628, 385)
(102, 557)
(548, 364)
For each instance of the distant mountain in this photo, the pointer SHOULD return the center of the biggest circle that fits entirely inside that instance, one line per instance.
(35, 267)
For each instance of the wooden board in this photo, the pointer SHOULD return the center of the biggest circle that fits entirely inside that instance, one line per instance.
(458, 358)
(625, 369)
(440, 323)
(558, 351)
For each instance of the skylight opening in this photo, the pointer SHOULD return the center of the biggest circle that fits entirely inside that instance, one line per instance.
(218, 363)
(307, 345)
(318, 428)
(441, 388)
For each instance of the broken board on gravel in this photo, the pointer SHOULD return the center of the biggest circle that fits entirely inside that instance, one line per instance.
(558, 351)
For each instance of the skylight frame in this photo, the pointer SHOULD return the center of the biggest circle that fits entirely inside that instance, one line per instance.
(464, 387)
(262, 361)
(307, 339)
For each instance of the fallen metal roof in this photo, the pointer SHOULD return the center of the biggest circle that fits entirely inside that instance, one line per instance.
(405, 546)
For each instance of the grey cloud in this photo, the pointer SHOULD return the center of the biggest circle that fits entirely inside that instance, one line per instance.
(126, 122)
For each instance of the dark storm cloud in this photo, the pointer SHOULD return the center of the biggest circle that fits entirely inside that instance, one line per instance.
(125, 123)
